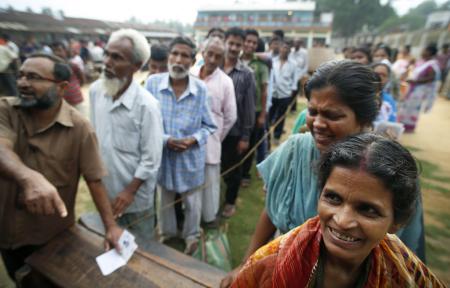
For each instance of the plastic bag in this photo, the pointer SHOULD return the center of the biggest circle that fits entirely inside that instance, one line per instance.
(214, 249)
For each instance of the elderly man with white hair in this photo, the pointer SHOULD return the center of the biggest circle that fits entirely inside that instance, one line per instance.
(128, 124)
(224, 111)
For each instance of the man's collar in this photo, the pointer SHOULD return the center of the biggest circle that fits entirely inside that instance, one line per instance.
(239, 65)
(63, 116)
(128, 96)
(212, 75)
(164, 84)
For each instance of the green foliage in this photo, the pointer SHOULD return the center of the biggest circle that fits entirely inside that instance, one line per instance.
(350, 16)
(413, 20)
(424, 8)
(47, 11)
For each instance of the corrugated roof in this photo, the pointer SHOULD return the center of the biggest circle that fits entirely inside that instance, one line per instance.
(25, 21)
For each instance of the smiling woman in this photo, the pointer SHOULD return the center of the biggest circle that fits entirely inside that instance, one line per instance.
(347, 244)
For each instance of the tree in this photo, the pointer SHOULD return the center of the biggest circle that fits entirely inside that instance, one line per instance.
(350, 16)
(413, 20)
(424, 9)
(134, 20)
(445, 6)
(47, 11)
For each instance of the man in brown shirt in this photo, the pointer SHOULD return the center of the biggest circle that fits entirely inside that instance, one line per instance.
(45, 145)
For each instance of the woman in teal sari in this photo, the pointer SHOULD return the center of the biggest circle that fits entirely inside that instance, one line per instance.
(341, 102)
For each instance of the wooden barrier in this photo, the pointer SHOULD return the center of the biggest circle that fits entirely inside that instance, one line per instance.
(69, 261)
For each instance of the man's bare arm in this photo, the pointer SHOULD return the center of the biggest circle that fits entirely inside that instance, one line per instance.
(39, 195)
(126, 197)
(99, 195)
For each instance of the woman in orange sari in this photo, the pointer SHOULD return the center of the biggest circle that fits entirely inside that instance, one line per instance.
(368, 191)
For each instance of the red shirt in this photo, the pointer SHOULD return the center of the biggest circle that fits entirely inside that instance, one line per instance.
(73, 94)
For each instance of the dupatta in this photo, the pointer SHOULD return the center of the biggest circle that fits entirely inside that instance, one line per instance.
(291, 261)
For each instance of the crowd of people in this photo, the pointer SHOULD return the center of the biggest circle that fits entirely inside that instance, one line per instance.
(410, 85)
(192, 122)
(84, 57)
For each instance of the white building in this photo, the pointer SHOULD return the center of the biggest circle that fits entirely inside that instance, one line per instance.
(295, 18)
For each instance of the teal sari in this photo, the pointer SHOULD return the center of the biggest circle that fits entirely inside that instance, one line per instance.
(300, 121)
(291, 182)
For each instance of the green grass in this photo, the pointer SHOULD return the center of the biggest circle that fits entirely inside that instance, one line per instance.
(431, 186)
(436, 248)
(433, 259)
(431, 171)
(242, 224)
(412, 149)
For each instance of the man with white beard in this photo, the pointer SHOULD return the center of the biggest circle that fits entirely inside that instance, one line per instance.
(187, 123)
(128, 124)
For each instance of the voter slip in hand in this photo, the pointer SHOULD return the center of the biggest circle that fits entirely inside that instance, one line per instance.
(113, 260)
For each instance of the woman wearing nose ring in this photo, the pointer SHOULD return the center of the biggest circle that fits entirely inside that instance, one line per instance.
(342, 101)
(368, 189)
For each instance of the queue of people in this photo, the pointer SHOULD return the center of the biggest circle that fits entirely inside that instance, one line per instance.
(412, 84)
(172, 138)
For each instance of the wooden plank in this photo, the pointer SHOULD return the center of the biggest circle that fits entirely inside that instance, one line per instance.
(165, 255)
(69, 261)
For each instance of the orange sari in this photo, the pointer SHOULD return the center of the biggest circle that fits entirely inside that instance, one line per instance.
(291, 261)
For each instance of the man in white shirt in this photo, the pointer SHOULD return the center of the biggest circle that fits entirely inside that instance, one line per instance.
(128, 124)
(284, 83)
(300, 56)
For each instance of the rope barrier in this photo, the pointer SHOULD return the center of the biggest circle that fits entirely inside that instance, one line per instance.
(226, 172)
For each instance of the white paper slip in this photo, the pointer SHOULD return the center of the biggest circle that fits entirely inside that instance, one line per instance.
(112, 260)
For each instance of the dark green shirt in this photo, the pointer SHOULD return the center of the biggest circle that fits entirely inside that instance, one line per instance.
(261, 72)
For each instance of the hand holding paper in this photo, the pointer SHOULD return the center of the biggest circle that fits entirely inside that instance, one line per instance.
(112, 260)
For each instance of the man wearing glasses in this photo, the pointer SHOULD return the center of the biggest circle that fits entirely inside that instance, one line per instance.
(45, 145)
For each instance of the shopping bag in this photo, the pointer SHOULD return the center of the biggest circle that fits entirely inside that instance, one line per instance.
(214, 248)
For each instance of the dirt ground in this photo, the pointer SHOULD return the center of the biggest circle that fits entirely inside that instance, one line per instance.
(431, 143)
(432, 136)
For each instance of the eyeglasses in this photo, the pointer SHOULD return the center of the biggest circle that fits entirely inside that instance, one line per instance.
(33, 77)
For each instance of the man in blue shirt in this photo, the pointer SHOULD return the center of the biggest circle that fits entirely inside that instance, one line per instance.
(187, 122)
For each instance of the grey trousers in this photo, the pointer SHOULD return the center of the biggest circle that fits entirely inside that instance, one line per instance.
(192, 213)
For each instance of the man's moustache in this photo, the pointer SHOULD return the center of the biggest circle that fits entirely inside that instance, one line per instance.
(109, 72)
(179, 67)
